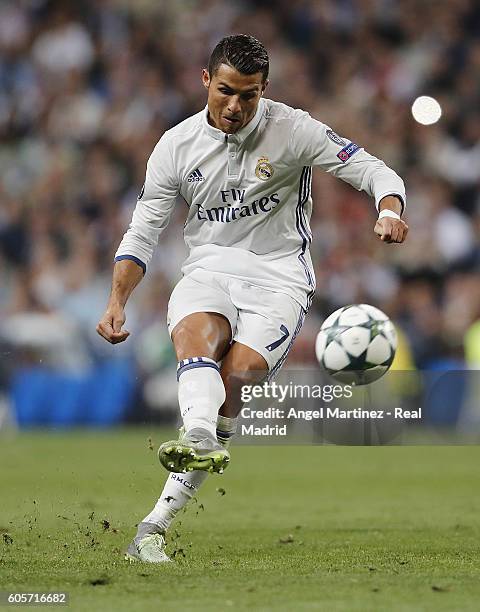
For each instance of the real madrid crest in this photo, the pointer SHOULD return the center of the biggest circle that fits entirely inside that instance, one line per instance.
(264, 169)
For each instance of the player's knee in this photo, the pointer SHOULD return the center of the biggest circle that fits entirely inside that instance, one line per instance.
(201, 335)
(235, 381)
(191, 343)
(250, 371)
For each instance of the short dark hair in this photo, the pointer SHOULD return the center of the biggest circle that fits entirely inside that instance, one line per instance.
(242, 52)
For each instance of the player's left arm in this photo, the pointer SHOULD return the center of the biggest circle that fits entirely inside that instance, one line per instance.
(313, 143)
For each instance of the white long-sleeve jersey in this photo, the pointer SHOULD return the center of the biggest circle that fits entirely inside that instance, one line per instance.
(249, 194)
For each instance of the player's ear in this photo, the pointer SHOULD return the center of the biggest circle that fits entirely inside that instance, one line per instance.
(264, 86)
(205, 78)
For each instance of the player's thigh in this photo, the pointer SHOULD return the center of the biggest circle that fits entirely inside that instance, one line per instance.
(201, 317)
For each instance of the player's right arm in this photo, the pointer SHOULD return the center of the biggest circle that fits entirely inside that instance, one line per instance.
(126, 276)
(150, 218)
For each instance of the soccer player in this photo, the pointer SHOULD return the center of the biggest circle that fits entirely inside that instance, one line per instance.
(243, 166)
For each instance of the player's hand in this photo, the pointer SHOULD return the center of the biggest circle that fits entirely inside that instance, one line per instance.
(110, 325)
(391, 230)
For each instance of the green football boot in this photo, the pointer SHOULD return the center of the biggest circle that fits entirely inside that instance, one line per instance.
(194, 450)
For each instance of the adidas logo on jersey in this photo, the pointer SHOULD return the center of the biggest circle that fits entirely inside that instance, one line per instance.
(195, 177)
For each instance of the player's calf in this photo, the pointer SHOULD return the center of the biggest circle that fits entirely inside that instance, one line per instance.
(241, 366)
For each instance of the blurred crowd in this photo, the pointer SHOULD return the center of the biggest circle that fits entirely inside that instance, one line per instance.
(88, 87)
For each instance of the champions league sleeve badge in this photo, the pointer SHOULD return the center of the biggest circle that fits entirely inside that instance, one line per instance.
(264, 169)
(348, 149)
(336, 138)
(346, 153)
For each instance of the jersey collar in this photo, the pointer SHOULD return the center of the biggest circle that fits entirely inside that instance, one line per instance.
(241, 134)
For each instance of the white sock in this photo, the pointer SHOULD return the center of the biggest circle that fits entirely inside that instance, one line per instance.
(177, 492)
(180, 488)
(201, 393)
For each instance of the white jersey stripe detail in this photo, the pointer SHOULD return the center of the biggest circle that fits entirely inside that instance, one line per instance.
(304, 190)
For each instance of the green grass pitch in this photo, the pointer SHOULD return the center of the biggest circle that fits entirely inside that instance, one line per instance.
(298, 528)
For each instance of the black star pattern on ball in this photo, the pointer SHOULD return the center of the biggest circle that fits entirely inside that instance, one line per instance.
(376, 328)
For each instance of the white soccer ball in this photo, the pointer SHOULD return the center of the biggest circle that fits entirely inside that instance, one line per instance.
(356, 344)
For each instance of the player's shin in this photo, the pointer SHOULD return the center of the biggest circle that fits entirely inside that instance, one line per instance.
(200, 393)
(177, 492)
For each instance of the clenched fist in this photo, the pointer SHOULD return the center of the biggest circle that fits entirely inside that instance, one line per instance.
(110, 325)
(391, 230)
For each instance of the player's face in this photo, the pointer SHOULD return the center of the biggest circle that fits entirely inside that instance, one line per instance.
(232, 97)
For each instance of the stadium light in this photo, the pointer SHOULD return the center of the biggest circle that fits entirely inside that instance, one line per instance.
(426, 110)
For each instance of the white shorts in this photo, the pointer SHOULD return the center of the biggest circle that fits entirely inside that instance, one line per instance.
(264, 320)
